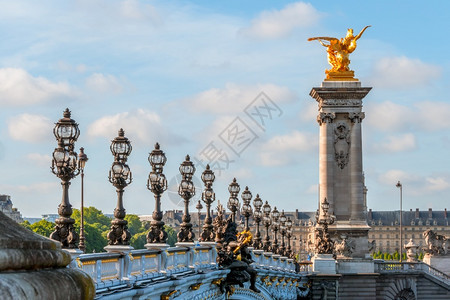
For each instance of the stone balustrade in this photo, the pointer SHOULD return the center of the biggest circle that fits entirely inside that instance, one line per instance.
(156, 268)
(384, 267)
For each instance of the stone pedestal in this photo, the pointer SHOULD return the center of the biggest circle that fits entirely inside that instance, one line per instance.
(341, 179)
(35, 267)
(355, 266)
(157, 246)
(324, 264)
(442, 263)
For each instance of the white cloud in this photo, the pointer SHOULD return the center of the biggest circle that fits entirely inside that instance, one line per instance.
(398, 143)
(41, 160)
(433, 115)
(18, 87)
(403, 72)
(140, 126)
(416, 185)
(132, 9)
(284, 149)
(280, 23)
(309, 112)
(235, 98)
(420, 116)
(30, 128)
(392, 176)
(103, 83)
(388, 116)
(437, 183)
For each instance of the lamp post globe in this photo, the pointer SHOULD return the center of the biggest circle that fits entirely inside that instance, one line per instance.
(120, 177)
(246, 207)
(267, 221)
(208, 196)
(233, 201)
(157, 184)
(257, 216)
(65, 167)
(186, 190)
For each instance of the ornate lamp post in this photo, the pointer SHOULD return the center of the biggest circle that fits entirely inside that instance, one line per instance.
(120, 176)
(257, 216)
(82, 159)
(324, 243)
(267, 222)
(186, 190)
(275, 228)
(283, 229)
(246, 207)
(233, 202)
(399, 185)
(199, 207)
(157, 184)
(208, 196)
(289, 252)
(65, 167)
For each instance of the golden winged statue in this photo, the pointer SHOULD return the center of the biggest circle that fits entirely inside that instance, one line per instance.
(338, 51)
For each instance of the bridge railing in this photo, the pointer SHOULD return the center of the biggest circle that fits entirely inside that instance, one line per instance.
(110, 270)
(392, 267)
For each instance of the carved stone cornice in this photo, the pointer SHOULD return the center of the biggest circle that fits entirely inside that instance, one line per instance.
(323, 117)
(327, 96)
(356, 117)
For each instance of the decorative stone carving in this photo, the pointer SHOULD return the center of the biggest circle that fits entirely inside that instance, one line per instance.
(411, 250)
(345, 247)
(356, 117)
(325, 117)
(339, 102)
(435, 243)
(341, 144)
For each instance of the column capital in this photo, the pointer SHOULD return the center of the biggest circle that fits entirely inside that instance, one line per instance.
(356, 117)
(323, 117)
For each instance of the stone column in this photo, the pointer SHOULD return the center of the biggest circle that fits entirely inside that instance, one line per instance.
(341, 178)
(356, 168)
(326, 157)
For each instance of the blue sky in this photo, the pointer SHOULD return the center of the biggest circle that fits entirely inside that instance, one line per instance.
(183, 72)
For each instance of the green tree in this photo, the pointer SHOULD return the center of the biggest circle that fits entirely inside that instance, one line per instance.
(26, 224)
(171, 235)
(92, 215)
(421, 255)
(95, 240)
(43, 227)
(96, 228)
(139, 240)
(396, 256)
(134, 224)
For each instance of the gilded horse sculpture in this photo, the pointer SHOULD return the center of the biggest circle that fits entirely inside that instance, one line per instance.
(338, 51)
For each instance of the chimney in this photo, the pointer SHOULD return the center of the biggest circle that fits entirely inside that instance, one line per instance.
(369, 216)
(417, 214)
(445, 213)
(430, 213)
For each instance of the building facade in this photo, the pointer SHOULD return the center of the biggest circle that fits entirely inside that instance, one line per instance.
(385, 227)
(6, 206)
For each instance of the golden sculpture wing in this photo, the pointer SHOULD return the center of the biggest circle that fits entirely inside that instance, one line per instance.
(323, 38)
(362, 31)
